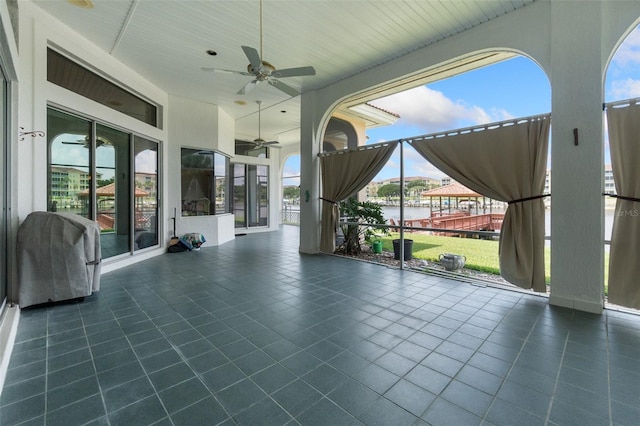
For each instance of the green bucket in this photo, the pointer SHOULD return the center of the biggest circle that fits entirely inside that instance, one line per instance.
(377, 246)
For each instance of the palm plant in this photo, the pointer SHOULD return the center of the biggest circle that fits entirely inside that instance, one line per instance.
(357, 215)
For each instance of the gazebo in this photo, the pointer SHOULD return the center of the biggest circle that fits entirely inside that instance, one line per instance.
(105, 216)
(455, 191)
(109, 190)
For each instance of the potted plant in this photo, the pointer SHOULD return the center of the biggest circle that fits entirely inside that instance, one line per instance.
(353, 211)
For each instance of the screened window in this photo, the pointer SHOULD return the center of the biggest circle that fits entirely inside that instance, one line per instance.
(65, 73)
(204, 176)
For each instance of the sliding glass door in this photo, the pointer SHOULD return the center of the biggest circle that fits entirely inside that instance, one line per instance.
(91, 173)
(250, 195)
(146, 192)
(113, 190)
(4, 196)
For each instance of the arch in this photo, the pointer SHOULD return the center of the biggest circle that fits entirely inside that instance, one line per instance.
(621, 79)
(339, 134)
(454, 66)
(432, 75)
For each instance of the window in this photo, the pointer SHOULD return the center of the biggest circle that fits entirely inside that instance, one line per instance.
(65, 73)
(204, 177)
(250, 149)
(250, 195)
(90, 173)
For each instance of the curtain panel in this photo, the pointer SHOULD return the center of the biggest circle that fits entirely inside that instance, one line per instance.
(343, 174)
(506, 162)
(624, 268)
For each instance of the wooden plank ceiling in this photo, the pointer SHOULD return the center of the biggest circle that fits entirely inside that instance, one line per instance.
(166, 41)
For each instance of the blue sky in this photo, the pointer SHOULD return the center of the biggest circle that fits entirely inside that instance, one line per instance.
(514, 88)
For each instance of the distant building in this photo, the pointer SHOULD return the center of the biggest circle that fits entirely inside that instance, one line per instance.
(372, 188)
(149, 182)
(66, 184)
(609, 184)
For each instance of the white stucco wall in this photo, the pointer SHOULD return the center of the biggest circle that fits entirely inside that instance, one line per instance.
(194, 124)
(572, 42)
(37, 32)
(203, 125)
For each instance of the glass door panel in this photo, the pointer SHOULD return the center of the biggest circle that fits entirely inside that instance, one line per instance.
(239, 191)
(146, 191)
(257, 195)
(250, 195)
(113, 190)
(262, 181)
(4, 177)
(69, 188)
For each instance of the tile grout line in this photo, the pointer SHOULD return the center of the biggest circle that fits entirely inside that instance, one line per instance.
(606, 325)
(557, 379)
(513, 363)
(93, 363)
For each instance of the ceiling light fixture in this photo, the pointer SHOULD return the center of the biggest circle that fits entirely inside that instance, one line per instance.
(84, 4)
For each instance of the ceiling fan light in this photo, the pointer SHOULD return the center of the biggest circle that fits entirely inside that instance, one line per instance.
(84, 4)
(268, 68)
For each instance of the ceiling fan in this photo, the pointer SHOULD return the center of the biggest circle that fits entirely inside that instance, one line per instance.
(85, 142)
(262, 70)
(259, 142)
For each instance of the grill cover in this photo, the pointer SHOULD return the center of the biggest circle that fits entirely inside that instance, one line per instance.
(58, 257)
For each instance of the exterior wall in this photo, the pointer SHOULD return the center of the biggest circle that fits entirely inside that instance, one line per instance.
(194, 124)
(275, 188)
(37, 31)
(572, 42)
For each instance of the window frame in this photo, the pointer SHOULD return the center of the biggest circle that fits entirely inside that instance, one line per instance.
(191, 203)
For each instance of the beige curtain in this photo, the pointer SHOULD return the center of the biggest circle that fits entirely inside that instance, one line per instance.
(343, 174)
(506, 162)
(624, 268)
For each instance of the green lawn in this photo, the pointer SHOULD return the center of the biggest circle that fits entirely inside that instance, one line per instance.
(482, 255)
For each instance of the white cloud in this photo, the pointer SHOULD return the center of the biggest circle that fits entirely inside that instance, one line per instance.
(427, 169)
(628, 54)
(431, 111)
(625, 89)
(146, 161)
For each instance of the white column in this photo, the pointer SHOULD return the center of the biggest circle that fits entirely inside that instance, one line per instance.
(310, 146)
(577, 253)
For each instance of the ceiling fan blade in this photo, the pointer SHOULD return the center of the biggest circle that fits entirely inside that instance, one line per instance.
(248, 87)
(294, 72)
(285, 88)
(222, 71)
(253, 56)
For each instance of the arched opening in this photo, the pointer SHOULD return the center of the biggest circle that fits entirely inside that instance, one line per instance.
(290, 212)
(621, 210)
(509, 89)
(339, 134)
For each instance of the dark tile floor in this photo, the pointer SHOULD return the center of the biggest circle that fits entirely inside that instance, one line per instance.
(252, 332)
